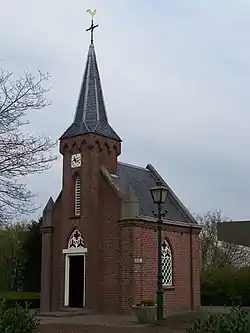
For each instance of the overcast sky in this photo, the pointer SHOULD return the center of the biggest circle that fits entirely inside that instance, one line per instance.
(175, 76)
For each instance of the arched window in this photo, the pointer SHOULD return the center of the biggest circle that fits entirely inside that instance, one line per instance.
(76, 240)
(78, 196)
(167, 269)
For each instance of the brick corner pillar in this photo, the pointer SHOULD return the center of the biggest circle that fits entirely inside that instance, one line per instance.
(46, 229)
(195, 267)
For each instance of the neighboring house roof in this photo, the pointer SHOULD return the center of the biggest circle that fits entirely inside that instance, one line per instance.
(91, 116)
(139, 180)
(235, 232)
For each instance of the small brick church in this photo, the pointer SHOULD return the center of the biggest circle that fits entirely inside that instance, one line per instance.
(99, 239)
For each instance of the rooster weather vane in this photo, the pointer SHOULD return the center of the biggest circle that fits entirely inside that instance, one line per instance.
(92, 27)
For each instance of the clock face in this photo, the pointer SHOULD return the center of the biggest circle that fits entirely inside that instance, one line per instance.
(76, 161)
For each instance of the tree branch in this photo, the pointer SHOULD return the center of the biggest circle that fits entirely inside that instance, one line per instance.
(21, 154)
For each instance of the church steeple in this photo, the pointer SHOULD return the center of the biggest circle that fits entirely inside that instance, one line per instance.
(91, 116)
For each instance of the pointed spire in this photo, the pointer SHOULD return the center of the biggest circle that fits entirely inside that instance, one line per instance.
(91, 116)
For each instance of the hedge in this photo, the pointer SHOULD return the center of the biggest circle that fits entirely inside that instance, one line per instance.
(226, 286)
(12, 298)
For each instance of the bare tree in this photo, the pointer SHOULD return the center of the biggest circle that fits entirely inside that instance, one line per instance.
(215, 253)
(21, 154)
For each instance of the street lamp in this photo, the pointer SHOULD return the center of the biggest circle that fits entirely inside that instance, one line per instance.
(159, 196)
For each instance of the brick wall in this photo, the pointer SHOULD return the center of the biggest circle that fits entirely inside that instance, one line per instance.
(196, 270)
(56, 257)
(110, 206)
(126, 268)
(185, 293)
(45, 301)
(97, 225)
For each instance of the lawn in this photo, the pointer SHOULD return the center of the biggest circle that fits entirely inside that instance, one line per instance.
(13, 297)
(18, 295)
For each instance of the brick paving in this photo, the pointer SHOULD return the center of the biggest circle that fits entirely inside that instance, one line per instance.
(108, 323)
(111, 323)
(73, 328)
(114, 320)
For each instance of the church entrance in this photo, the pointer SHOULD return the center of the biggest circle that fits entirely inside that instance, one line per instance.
(74, 278)
(76, 281)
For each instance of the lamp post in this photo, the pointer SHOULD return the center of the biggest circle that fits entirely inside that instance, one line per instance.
(159, 196)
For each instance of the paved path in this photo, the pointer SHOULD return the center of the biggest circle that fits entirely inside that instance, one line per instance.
(101, 329)
(93, 319)
(114, 320)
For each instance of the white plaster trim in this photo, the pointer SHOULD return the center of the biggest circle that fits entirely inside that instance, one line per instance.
(75, 250)
(66, 282)
(68, 253)
(114, 175)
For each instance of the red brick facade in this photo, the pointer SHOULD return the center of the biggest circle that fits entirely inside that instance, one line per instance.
(140, 238)
(113, 281)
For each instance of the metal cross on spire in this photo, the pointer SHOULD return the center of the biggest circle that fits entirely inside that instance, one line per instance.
(92, 27)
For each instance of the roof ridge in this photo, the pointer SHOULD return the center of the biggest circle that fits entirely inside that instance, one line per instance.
(182, 207)
(235, 221)
(133, 166)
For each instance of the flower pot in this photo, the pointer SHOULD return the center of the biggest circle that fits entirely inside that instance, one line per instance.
(145, 314)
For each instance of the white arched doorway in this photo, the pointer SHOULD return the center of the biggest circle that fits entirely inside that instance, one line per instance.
(74, 282)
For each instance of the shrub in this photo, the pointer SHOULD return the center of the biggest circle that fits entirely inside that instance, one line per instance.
(226, 286)
(146, 302)
(17, 319)
(236, 321)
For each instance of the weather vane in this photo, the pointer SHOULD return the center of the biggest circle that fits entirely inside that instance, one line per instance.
(92, 27)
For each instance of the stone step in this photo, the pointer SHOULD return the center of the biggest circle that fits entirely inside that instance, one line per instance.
(66, 312)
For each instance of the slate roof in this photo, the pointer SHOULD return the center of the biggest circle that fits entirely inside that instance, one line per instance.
(140, 180)
(91, 116)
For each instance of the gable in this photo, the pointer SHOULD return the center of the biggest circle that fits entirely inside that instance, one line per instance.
(139, 181)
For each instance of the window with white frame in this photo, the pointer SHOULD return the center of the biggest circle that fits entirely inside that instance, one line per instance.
(78, 196)
(167, 269)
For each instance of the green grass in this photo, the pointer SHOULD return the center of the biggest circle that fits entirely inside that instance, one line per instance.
(18, 295)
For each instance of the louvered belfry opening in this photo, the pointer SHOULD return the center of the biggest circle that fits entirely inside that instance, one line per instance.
(78, 196)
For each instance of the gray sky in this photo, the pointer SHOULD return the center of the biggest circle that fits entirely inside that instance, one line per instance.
(175, 76)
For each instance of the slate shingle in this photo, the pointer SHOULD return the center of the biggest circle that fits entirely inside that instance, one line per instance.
(140, 180)
(91, 116)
